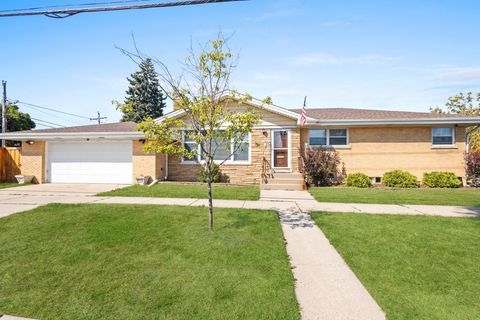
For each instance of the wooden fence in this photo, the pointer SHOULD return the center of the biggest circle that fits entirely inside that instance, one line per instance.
(9, 164)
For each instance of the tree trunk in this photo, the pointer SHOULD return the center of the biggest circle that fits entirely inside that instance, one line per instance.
(210, 200)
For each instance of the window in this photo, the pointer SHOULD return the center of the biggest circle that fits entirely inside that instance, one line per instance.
(338, 137)
(221, 148)
(330, 137)
(442, 136)
(317, 137)
(243, 151)
(190, 145)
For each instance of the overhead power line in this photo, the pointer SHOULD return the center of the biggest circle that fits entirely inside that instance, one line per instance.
(64, 13)
(45, 125)
(74, 5)
(51, 109)
(47, 122)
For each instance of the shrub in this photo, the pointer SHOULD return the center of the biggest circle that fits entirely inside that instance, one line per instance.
(472, 161)
(359, 180)
(441, 180)
(399, 179)
(216, 174)
(322, 167)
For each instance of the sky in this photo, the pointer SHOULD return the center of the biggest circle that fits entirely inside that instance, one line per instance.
(392, 55)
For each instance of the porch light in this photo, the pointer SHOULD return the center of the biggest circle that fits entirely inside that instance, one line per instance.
(30, 142)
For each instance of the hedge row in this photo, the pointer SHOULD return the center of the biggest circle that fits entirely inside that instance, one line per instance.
(404, 179)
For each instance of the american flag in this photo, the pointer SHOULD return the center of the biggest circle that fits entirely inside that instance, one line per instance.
(303, 118)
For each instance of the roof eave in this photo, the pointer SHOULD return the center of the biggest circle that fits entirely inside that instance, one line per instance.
(254, 102)
(378, 122)
(40, 136)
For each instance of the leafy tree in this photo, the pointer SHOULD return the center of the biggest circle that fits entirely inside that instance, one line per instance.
(467, 105)
(201, 92)
(144, 96)
(17, 121)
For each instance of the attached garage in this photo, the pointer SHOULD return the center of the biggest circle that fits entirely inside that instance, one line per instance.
(89, 162)
(110, 153)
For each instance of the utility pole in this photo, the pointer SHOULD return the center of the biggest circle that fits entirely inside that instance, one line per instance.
(98, 118)
(4, 110)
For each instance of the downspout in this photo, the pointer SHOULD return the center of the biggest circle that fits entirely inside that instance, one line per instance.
(467, 147)
(468, 138)
(166, 167)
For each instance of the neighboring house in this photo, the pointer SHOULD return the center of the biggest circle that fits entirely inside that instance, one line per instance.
(368, 141)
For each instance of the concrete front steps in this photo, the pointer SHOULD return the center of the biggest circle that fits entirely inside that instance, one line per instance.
(284, 181)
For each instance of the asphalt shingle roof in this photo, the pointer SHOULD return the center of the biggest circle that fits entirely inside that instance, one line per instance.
(368, 114)
(104, 127)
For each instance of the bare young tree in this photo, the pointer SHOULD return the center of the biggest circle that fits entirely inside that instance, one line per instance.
(201, 91)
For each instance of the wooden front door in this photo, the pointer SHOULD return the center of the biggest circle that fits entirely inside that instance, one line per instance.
(280, 148)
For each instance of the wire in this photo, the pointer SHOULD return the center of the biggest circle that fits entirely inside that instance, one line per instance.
(74, 5)
(51, 109)
(64, 13)
(44, 125)
(48, 122)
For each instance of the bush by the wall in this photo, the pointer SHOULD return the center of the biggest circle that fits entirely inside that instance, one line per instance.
(358, 180)
(216, 174)
(441, 180)
(399, 179)
(322, 167)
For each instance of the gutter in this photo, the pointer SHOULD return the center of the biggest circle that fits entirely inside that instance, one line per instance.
(424, 121)
(70, 135)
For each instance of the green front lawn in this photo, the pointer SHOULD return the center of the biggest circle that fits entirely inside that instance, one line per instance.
(144, 262)
(188, 190)
(415, 267)
(452, 197)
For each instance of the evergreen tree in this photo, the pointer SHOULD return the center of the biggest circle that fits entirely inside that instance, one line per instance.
(144, 97)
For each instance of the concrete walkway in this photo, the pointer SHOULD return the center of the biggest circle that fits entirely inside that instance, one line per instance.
(326, 288)
(20, 200)
(7, 317)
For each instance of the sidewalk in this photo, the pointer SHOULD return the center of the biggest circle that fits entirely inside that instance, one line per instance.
(300, 201)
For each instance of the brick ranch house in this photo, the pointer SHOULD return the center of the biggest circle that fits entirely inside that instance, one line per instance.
(368, 141)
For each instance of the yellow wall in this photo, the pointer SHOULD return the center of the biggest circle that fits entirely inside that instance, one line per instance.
(374, 151)
(32, 160)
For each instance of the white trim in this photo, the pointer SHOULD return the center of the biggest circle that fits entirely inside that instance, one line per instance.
(254, 103)
(419, 121)
(327, 136)
(45, 136)
(230, 162)
(444, 146)
(289, 151)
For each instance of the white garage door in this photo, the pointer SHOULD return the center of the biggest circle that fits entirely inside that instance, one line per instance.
(90, 162)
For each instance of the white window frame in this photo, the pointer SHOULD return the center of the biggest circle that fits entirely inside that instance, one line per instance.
(443, 145)
(328, 138)
(197, 160)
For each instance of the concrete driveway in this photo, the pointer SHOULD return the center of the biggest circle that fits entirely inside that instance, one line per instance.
(24, 198)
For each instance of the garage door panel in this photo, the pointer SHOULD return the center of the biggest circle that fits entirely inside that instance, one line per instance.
(90, 162)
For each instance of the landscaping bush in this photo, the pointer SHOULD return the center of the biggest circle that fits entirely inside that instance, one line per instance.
(358, 180)
(441, 180)
(216, 174)
(472, 161)
(322, 167)
(399, 179)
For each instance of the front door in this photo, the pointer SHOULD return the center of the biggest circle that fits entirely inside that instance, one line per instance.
(281, 149)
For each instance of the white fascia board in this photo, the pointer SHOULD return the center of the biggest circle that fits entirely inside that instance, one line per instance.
(71, 135)
(254, 102)
(170, 115)
(429, 121)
